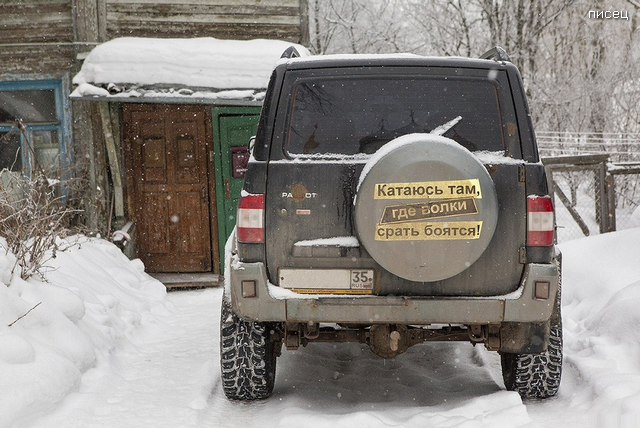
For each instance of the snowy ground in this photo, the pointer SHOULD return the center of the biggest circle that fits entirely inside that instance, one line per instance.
(107, 347)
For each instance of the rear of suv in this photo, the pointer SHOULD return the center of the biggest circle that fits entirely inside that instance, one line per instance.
(393, 200)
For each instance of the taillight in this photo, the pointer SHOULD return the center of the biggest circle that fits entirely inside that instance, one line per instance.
(540, 223)
(249, 220)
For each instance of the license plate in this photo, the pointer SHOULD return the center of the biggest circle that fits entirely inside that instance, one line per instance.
(362, 279)
(338, 281)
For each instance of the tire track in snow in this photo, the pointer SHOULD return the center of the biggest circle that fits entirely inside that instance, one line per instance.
(168, 375)
(345, 384)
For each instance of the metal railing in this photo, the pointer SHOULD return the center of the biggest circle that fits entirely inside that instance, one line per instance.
(620, 147)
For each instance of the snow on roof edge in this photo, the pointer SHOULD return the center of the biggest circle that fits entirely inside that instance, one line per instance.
(211, 67)
(87, 91)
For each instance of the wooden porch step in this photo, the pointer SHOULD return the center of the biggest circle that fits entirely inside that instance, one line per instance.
(188, 280)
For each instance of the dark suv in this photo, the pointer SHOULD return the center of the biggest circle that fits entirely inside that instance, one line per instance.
(394, 200)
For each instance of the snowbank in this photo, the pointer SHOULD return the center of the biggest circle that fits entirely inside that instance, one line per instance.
(189, 63)
(96, 297)
(601, 297)
(92, 296)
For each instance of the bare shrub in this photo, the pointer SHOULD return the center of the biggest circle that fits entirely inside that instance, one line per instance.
(32, 217)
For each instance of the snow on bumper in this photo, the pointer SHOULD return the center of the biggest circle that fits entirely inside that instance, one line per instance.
(271, 303)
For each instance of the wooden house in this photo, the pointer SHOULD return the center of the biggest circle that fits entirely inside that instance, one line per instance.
(162, 161)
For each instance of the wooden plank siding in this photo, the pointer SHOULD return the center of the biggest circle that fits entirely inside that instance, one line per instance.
(49, 21)
(36, 59)
(36, 36)
(45, 36)
(230, 19)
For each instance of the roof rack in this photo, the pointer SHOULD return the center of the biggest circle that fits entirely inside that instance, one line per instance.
(290, 52)
(496, 54)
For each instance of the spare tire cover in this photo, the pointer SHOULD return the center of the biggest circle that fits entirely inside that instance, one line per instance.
(426, 208)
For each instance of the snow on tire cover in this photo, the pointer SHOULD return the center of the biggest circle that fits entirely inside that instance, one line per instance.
(426, 208)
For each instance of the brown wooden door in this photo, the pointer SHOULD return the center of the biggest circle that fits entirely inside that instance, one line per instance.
(169, 186)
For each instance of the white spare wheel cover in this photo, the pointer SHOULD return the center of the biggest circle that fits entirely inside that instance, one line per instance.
(426, 208)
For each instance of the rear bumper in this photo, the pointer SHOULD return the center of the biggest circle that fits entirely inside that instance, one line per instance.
(272, 303)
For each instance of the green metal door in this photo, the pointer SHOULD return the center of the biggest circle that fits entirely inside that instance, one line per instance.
(233, 127)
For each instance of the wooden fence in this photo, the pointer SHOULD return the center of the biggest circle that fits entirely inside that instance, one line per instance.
(592, 194)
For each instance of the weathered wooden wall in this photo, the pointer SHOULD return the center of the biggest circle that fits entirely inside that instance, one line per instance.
(226, 19)
(36, 36)
(42, 21)
(46, 36)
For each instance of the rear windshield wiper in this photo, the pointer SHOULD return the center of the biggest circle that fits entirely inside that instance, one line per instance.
(442, 129)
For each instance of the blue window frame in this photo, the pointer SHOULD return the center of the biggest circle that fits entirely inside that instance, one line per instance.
(39, 144)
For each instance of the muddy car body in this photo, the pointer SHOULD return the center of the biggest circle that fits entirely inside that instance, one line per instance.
(394, 200)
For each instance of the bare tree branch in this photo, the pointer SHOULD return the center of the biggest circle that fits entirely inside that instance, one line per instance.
(22, 316)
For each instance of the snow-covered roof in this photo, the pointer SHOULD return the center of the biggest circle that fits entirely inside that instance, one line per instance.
(189, 68)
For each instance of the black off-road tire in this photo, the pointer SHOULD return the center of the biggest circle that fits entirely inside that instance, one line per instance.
(247, 357)
(537, 375)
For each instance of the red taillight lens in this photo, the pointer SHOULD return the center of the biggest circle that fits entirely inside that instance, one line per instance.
(249, 220)
(540, 225)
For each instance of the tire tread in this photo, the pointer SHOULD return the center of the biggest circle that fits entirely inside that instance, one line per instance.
(247, 357)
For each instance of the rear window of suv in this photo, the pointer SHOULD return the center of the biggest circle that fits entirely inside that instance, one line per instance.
(349, 115)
